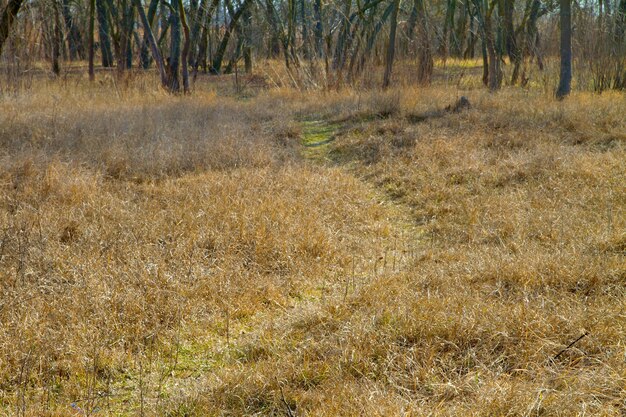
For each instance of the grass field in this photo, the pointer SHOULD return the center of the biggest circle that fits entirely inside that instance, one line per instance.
(286, 253)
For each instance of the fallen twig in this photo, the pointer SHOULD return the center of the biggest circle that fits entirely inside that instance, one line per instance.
(570, 345)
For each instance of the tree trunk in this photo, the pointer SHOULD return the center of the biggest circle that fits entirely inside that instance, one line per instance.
(448, 26)
(57, 38)
(247, 40)
(495, 71)
(565, 82)
(201, 57)
(305, 30)
(425, 57)
(185, 53)
(319, 32)
(92, 24)
(461, 30)
(371, 40)
(73, 34)
(391, 48)
(197, 20)
(274, 41)
(8, 19)
(341, 39)
(532, 33)
(483, 49)
(123, 39)
(492, 73)
(620, 22)
(104, 34)
(156, 53)
(173, 61)
(144, 55)
(471, 42)
(221, 50)
(510, 38)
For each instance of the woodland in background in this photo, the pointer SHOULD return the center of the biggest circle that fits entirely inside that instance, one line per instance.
(323, 44)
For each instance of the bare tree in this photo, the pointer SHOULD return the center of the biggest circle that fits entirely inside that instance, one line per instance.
(565, 81)
(92, 18)
(425, 57)
(391, 48)
(8, 19)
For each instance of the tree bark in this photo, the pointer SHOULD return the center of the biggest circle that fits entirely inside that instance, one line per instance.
(319, 32)
(74, 39)
(274, 41)
(425, 57)
(221, 50)
(104, 34)
(305, 30)
(512, 47)
(247, 40)
(391, 48)
(185, 53)
(144, 55)
(56, 39)
(197, 20)
(92, 24)
(565, 82)
(448, 27)
(156, 53)
(173, 61)
(495, 71)
(8, 19)
(201, 57)
(343, 34)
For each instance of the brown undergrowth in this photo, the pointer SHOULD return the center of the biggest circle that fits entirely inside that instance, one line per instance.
(179, 256)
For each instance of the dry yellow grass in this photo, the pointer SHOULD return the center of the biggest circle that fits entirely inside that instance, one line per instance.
(179, 256)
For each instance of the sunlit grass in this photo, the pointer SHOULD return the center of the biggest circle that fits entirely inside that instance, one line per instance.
(189, 256)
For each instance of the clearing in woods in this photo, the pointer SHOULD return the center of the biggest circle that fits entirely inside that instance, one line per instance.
(353, 253)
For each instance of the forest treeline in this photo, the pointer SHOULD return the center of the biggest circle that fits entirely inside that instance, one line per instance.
(320, 42)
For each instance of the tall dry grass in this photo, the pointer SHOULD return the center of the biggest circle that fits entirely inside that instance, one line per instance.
(178, 256)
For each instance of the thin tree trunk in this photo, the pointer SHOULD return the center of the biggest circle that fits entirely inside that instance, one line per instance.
(73, 34)
(471, 42)
(185, 53)
(92, 23)
(565, 81)
(144, 55)
(274, 41)
(196, 33)
(341, 39)
(219, 56)
(391, 48)
(483, 49)
(56, 39)
(425, 56)
(492, 73)
(201, 58)
(247, 40)
(174, 58)
(512, 45)
(8, 19)
(104, 34)
(495, 72)
(461, 30)
(448, 26)
(319, 31)
(532, 33)
(305, 30)
(156, 53)
(371, 40)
